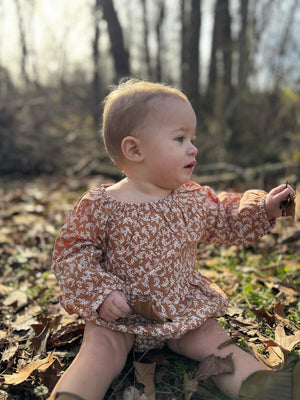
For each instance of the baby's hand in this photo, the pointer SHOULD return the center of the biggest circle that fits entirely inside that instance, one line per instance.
(275, 197)
(114, 306)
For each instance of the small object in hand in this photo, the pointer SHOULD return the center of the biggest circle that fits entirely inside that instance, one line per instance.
(288, 205)
(147, 310)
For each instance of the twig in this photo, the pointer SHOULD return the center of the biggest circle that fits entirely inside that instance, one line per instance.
(125, 376)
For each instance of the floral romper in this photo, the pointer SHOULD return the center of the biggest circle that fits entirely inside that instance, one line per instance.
(148, 251)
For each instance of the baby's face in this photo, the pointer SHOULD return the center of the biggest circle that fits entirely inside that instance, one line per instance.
(167, 142)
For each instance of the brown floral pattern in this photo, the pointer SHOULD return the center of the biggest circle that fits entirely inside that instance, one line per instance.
(148, 251)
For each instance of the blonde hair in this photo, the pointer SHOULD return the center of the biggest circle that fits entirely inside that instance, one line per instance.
(126, 108)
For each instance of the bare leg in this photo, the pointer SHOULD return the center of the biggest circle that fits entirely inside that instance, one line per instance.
(101, 358)
(204, 341)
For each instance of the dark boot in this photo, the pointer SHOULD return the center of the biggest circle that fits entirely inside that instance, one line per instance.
(65, 396)
(283, 384)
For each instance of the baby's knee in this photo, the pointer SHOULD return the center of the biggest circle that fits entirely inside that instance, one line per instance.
(205, 338)
(108, 347)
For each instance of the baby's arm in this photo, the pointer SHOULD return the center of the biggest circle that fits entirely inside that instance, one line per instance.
(114, 306)
(77, 256)
(275, 197)
(239, 219)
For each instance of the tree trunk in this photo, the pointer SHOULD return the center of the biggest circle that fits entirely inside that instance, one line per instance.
(243, 46)
(279, 70)
(190, 36)
(146, 39)
(24, 50)
(159, 24)
(96, 84)
(119, 52)
(221, 54)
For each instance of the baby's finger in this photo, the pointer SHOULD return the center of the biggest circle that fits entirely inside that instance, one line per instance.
(284, 194)
(107, 315)
(277, 190)
(123, 307)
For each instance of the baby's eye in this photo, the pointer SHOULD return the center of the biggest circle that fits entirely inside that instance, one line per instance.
(180, 139)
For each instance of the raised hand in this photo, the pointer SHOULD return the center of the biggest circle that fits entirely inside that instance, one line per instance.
(276, 198)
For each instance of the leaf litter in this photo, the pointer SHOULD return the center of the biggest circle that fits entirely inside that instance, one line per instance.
(38, 339)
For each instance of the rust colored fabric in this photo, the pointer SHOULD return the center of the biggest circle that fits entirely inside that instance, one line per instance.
(148, 251)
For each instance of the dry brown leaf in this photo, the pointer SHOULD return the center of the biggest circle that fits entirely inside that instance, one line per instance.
(263, 313)
(278, 349)
(288, 205)
(43, 331)
(130, 393)
(145, 375)
(275, 360)
(9, 354)
(278, 310)
(5, 290)
(24, 373)
(214, 365)
(286, 341)
(50, 376)
(260, 357)
(147, 310)
(23, 322)
(66, 334)
(3, 395)
(190, 386)
(18, 299)
(287, 295)
(3, 335)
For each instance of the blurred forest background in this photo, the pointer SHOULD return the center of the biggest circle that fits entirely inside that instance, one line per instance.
(237, 60)
(239, 63)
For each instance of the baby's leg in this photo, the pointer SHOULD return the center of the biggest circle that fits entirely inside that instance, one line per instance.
(204, 341)
(101, 358)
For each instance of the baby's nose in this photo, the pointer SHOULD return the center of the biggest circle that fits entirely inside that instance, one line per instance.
(193, 149)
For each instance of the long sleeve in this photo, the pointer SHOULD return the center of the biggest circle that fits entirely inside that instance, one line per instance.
(77, 263)
(230, 218)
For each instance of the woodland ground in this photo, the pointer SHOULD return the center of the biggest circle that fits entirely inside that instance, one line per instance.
(38, 340)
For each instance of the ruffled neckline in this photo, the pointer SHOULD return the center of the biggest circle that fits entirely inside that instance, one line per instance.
(165, 200)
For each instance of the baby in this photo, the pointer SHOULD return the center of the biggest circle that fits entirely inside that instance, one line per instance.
(126, 256)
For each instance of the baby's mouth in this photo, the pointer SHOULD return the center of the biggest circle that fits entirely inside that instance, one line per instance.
(191, 165)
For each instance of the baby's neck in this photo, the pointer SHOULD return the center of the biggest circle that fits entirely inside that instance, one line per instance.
(131, 191)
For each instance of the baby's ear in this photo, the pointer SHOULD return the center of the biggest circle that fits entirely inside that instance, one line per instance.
(131, 150)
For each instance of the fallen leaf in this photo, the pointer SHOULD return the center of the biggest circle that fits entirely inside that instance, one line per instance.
(291, 237)
(3, 335)
(50, 376)
(214, 365)
(5, 290)
(3, 395)
(23, 374)
(18, 299)
(288, 205)
(190, 386)
(286, 341)
(9, 354)
(263, 313)
(43, 331)
(131, 393)
(66, 334)
(147, 310)
(145, 375)
(287, 295)
(23, 322)
(278, 310)
(278, 349)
